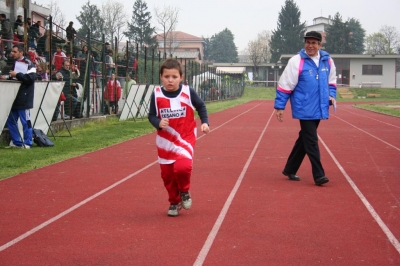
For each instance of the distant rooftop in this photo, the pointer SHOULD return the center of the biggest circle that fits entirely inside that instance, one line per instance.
(181, 36)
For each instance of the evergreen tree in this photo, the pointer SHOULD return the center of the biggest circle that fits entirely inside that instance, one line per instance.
(288, 37)
(206, 48)
(337, 36)
(139, 30)
(357, 36)
(90, 18)
(345, 37)
(223, 48)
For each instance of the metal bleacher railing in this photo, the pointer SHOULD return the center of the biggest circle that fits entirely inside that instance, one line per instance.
(95, 63)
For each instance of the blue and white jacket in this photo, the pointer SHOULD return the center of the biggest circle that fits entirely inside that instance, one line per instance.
(308, 82)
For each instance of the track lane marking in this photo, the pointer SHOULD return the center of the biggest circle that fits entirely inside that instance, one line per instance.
(369, 207)
(76, 206)
(387, 143)
(217, 225)
(368, 117)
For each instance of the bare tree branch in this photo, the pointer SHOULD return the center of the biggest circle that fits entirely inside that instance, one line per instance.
(114, 20)
(58, 16)
(259, 51)
(392, 37)
(167, 18)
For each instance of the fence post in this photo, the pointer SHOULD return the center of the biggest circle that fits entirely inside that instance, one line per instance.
(87, 77)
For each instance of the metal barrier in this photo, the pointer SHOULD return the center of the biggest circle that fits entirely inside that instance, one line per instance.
(96, 66)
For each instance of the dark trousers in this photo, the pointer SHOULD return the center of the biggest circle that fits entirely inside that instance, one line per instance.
(306, 143)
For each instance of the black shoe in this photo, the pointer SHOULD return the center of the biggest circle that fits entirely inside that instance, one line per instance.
(321, 180)
(292, 176)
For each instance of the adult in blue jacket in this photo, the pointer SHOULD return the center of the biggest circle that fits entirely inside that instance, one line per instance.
(309, 81)
(24, 100)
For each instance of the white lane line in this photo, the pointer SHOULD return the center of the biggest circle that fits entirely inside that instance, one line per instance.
(368, 117)
(387, 143)
(55, 218)
(369, 207)
(214, 231)
(62, 214)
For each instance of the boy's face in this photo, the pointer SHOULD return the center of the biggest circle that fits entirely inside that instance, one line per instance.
(170, 79)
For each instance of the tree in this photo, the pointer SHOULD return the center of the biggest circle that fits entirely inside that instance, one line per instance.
(206, 48)
(222, 47)
(376, 43)
(57, 16)
(357, 34)
(90, 19)
(115, 18)
(167, 19)
(258, 51)
(139, 30)
(392, 38)
(288, 37)
(345, 37)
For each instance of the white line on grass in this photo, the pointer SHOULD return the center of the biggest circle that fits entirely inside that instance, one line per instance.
(76, 206)
(214, 231)
(369, 207)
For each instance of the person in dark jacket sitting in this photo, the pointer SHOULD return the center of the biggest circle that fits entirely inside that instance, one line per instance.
(70, 93)
(24, 100)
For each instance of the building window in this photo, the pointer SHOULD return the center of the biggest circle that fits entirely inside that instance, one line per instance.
(372, 69)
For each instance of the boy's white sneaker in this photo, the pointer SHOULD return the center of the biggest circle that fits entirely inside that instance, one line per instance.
(174, 209)
(186, 200)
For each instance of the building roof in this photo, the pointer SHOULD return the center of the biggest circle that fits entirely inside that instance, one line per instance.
(231, 70)
(181, 36)
(185, 54)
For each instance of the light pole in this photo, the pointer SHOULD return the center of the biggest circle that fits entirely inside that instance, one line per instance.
(276, 67)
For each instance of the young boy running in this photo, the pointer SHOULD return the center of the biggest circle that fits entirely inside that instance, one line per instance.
(172, 114)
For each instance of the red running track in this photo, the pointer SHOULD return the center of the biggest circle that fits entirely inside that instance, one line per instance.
(91, 210)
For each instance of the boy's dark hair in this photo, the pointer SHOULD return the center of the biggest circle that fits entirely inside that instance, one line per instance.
(171, 63)
(3, 15)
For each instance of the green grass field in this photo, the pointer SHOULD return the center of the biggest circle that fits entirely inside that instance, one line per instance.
(96, 135)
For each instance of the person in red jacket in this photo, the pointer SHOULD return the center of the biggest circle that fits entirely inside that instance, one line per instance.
(112, 94)
(58, 58)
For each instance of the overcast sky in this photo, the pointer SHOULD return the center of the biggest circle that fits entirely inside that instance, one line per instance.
(245, 19)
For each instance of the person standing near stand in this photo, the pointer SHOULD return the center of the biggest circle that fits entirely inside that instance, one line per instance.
(309, 80)
(6, 32)
(24, 100)
(70, 31)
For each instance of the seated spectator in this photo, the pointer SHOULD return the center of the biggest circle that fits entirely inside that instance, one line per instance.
(127, 87)
(18, 22)
(81, 62)
(20, 32)
(71, 96)
(42, 72)
(112, 94)
(34, 34)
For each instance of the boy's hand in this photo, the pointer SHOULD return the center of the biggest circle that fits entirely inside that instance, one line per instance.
(164, 123)
(205, 128)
